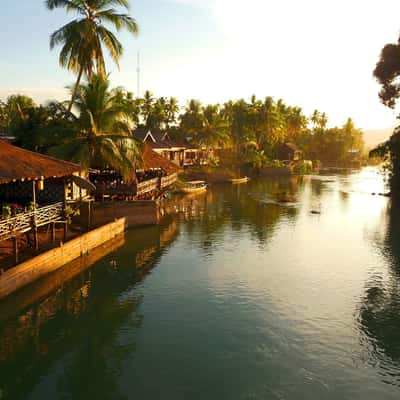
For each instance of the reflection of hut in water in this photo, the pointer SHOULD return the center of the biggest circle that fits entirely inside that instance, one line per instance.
(41, 335)
(146, 257)
(76, 292)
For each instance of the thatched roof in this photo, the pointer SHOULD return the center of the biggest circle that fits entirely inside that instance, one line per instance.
(17, 164)
(152, 160)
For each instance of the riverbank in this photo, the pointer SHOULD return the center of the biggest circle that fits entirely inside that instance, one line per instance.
(49, 261)
(223, 174)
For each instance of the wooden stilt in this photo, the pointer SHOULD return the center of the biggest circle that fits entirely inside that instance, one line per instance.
(35, 238)
(53, 232)
(16, 250)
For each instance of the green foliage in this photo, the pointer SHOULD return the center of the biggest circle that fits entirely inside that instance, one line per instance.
(333, 146)
(389, 152)
(14, 112)
(70, 212)
(387, 73)
(6, 211)
(101, 133)
(84, 39)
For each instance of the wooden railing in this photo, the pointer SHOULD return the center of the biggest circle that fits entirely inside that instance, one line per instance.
(156, 184)
(168, 180)
(147, 186)
(26, 221)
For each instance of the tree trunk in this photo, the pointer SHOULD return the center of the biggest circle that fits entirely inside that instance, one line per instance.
(78, 81)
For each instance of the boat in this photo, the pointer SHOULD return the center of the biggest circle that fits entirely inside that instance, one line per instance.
(239, 180)
(194, 187)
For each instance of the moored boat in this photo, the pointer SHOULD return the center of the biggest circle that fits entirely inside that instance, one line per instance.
(239, 180)
(194, 187)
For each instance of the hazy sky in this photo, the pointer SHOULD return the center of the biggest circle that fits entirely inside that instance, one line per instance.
(312, 53)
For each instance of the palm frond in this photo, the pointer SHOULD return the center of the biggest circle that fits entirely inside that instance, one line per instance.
(69, 5)
(111, 42)
(119, 21)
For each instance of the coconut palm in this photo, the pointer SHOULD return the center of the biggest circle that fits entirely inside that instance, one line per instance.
(192, 118)
(102, 137)
(146, 106)
(272, 123)
(215, 130)
(296, 122)
(172, 110)
(84, 38)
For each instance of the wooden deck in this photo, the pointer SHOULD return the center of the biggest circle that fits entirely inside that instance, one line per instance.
(24, 222)
(156, 184)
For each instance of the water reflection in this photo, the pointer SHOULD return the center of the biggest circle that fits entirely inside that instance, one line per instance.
(252, 209)
(83, 322)
(379, 313)
(245, 291)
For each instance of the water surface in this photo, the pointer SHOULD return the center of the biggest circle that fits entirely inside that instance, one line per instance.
(236, 296)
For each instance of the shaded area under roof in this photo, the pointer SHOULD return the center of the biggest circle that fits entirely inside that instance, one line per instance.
(17, 163)
(152, 160)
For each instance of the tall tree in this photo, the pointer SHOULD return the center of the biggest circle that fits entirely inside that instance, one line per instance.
(83, 39)
(387, 73)
(102, 134)
(215, 131)
(192, 119)
(172, 110)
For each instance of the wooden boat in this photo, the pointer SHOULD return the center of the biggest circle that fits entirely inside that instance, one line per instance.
(194, 187)
(239, 180)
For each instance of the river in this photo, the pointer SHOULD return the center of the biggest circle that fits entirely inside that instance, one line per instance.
(234, 296)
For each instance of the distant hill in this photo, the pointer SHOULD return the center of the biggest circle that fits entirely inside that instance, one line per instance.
(373, 137)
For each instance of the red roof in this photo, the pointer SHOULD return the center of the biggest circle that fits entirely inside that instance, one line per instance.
(152, 160)
(17, 163)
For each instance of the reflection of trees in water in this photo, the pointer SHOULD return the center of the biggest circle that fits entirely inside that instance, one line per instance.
(233, 207)
(81, 323)
(379, 314)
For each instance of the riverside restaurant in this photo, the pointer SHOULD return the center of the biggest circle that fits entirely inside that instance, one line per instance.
(35, 190)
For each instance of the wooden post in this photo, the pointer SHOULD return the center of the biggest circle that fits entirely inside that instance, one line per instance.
(53, 232)
(16, 250)
(35, 231)
(34, 194)
(65, 231)
(89, 221)
(64, 207)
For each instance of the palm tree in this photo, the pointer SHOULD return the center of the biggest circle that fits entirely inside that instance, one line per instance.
(147, 105)
(172, 110)
(315, 117)
(102, 136)
(296, 122)
(215, 130)
(192, 119)
(273, 124)
(16, 111)
(84, 38)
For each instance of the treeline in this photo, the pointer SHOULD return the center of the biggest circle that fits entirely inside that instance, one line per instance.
(253, 129)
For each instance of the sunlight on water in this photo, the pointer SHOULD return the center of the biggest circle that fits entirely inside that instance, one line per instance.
(276, 289)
